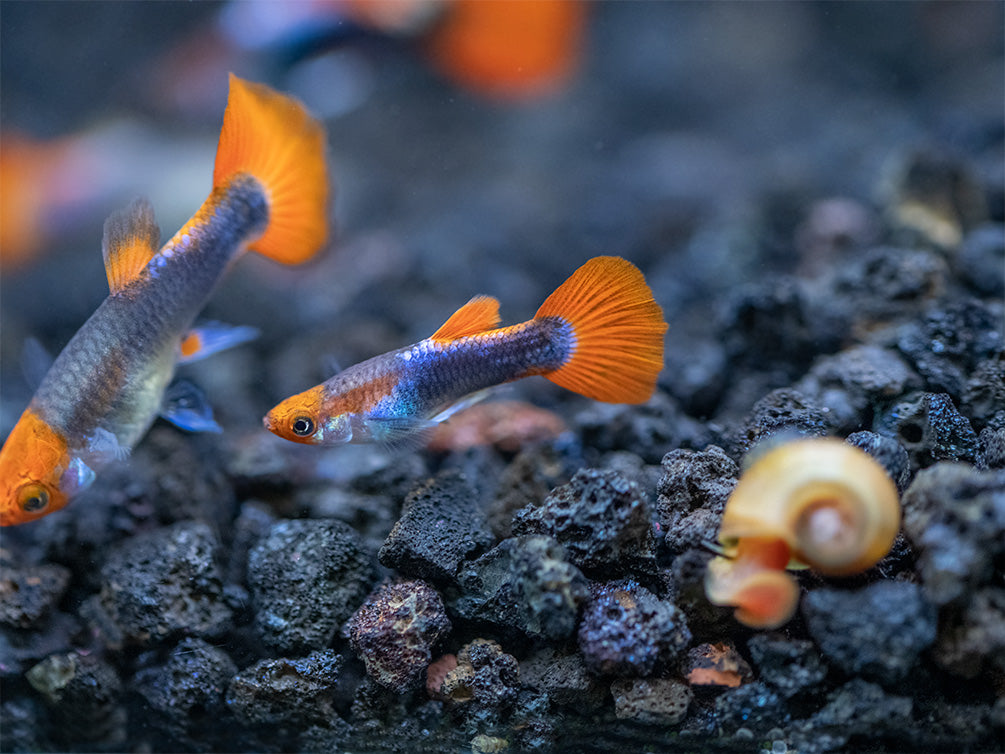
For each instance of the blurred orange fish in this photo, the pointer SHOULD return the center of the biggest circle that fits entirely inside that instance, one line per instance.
(510, 49)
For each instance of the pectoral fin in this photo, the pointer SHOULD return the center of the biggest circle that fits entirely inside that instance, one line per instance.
(460, 405)
(78, 476)
(399, 433)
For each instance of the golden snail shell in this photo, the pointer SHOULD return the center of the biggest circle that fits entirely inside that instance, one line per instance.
(819, 502)
(831, 503)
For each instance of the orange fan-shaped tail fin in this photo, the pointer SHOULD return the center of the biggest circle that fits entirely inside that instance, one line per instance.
(273, 138)
(617, 328)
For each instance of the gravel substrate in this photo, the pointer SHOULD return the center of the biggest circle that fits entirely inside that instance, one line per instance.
(815, 195)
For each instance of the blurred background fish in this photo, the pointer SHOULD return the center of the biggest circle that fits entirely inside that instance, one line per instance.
(510, 50)
(499, 48)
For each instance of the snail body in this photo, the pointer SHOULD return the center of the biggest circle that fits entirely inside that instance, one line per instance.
(819, 503)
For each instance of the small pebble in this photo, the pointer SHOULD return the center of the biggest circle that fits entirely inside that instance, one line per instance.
(651, 701)
(394, 631)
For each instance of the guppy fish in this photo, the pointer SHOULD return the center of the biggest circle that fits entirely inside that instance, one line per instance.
(102, 393)
(599, 334)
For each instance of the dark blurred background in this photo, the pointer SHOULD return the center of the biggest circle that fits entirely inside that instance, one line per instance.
(693, 138)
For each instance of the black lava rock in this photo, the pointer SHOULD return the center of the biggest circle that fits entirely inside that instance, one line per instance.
(954, 516)
(990, 449)
(779, 323)
(526, 584)
(186, 693)
(783, 412)
(981, 259)
(29, 594)
(692, 494)
(485, 683)
(21, 648)
(534, 726)
(564, 678)
(889, 453)
(252, 523)
(627, 630)
(947, 345)
(395, 630)
(877, 632)
(530, 477)
(648, 430)
(789, 666)
(686, 584)
(187, 479)
(858, 709)
(930, 429)
(82, 693)
(851, 382)
(441, 524)
(972, 641)
(601, 519)
(306, 578)
(889, 282)
(753, 707)
(24, 725)
(289, 692)
(165, 583)
(984, 393)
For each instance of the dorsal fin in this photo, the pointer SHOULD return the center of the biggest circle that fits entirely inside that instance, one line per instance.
(478, 315)
(131, 239)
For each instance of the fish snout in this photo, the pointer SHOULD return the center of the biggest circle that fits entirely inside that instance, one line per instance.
(267, 421)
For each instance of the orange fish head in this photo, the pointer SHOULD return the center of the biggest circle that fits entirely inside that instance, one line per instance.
(38, 474)
(300, 419)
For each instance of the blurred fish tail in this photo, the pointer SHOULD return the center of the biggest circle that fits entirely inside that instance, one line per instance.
(513, 49)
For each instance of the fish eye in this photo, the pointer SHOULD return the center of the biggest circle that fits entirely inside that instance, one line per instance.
(303, 426)
(32, 498)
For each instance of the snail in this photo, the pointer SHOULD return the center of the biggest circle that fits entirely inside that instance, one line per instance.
(817, 503)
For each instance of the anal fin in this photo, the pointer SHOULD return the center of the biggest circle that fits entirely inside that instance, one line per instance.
(130, 241)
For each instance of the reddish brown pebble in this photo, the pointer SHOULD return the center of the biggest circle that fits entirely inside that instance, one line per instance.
(717, 666)
(435, 674)
(508, 425)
